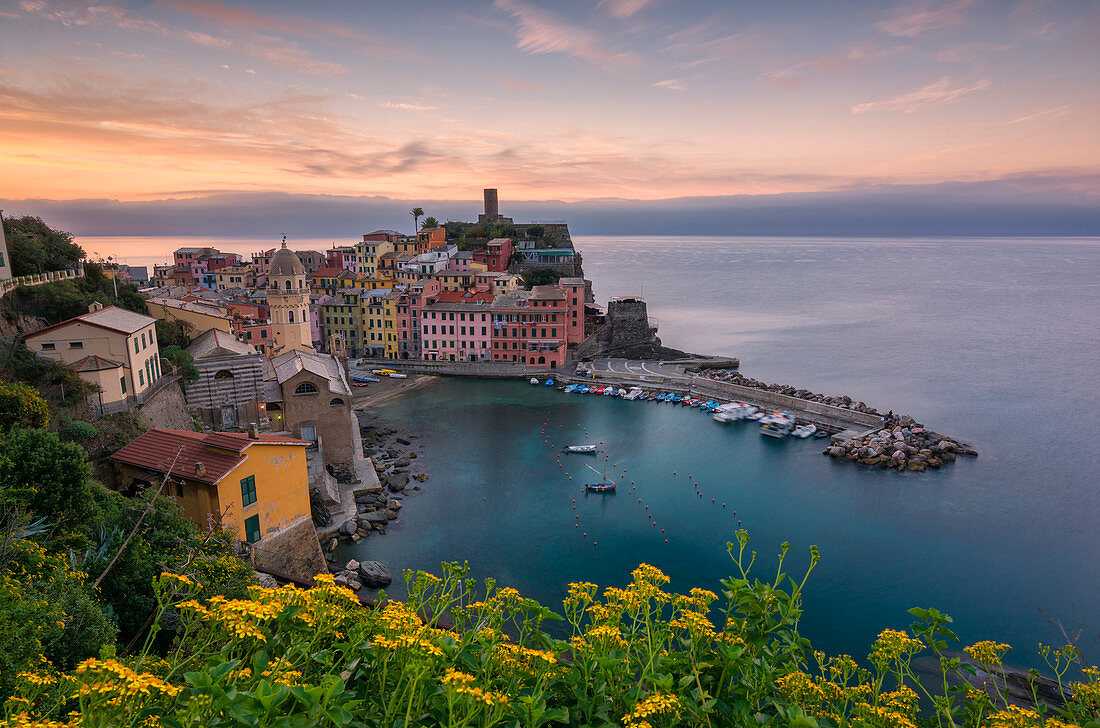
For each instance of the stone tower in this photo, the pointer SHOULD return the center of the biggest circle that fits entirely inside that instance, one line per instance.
(288, 299)
(492, 211)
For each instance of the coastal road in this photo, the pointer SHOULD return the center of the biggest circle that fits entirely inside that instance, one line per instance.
(630, 366)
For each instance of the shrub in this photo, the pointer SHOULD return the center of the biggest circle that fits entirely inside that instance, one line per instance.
(78, 430)
(637, 656)
(21, 404)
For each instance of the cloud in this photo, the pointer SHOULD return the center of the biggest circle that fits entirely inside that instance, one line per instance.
(673, 84)
(539, 32)
(623, 8)
(933, 95)
(1055, 112)
(909, 21)
(406, 107)
(847, 60)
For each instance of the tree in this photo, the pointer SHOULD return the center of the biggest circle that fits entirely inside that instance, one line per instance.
(173, 333)
(535, 231)
(21, 404)
(429, 222)
(539, 277)
(184, 362)
(417, 213)
(57, 471)
(35, 247)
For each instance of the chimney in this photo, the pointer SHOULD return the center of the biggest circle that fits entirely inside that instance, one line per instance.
(253, 431)
(95, 306)
(200, 470)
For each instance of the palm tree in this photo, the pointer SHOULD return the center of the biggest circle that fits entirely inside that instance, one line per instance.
(429, 222)
(417, 213)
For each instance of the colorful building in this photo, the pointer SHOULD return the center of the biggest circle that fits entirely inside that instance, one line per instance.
(111, 347)
(253, 485)
(457, 326)
(531, 327)
(496, 255)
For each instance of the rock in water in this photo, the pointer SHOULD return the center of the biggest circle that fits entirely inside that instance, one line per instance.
(374, 574)
(349, 527)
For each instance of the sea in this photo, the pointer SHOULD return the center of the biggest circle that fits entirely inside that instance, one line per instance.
(995, 342)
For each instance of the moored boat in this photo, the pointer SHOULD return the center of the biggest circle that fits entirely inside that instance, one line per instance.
(586, 449)
(534, 381)
(804, 431)
(776, 424)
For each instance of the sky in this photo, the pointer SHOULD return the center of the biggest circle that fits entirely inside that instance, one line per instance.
(177, 105)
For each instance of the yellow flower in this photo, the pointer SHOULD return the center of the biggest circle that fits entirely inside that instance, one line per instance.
(894, 645)
(987, 653)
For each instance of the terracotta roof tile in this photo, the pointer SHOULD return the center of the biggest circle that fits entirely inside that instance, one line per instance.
(157, 449)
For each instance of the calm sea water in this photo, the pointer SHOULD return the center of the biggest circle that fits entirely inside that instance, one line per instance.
(995, 342)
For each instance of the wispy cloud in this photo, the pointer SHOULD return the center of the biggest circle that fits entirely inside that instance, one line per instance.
(538, 31)
(847, 60)
(909, 20)
(406, 106)
(623, 8)
(673, 84)
(935, 94)
(1049, 113)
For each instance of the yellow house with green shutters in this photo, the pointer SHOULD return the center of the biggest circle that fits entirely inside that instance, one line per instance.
(254, 485)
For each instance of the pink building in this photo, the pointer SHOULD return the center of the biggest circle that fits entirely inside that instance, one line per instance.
(460, 261)
(574, 294)
(457, 326)
(533, 327)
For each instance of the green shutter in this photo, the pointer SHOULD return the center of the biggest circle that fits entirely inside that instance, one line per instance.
(252, 529)
(248, 490)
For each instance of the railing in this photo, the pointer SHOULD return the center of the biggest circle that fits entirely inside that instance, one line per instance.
(38, 279)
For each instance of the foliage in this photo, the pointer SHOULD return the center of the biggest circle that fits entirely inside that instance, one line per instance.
(417, 213)
(77, 430)
(56, 472)
(184, 363)
(173, 333)
(429, 222)
(21, 404)
(636, 656)
(35, 247)
(59, 301)
(535, 231)
(539, 277)
(47, 612)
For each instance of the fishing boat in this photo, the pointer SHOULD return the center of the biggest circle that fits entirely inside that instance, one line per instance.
(776, 424)
(570, 388)
(534, 381)
(604, 486)
(364, 378)
(549, 382)
(821, 433)
(755, 416)
(397, 375)
(586, 449)
(633, 394)
(804, 431)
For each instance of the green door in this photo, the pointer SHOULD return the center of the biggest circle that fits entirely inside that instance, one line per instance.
(252, 529)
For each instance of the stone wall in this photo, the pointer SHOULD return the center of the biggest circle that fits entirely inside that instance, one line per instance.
(628, 319)
(294, 550)
(166, 408)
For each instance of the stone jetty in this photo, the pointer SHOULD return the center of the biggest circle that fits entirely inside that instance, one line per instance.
(843, 401)
(901, 445)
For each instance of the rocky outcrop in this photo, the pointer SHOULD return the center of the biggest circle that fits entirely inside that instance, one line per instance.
(904, 445)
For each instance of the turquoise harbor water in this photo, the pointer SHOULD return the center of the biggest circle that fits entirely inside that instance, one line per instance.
(995, 342)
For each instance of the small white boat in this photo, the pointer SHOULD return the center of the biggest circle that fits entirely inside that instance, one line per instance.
(732, 412)
(534, 381)
(398, 375)
(804, 431)
(755, 416)
(580, 448)
(776, 424)
(633, 394)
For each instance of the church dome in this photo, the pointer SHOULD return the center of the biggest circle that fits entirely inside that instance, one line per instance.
(285, 263)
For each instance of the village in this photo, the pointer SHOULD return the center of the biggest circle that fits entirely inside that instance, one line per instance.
(275, 451)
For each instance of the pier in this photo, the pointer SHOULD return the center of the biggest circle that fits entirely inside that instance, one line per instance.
(663, 376)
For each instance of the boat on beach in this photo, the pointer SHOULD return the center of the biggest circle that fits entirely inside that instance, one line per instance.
(633, 394)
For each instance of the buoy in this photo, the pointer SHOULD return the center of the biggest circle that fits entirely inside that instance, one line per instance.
(662, 530)
(723, 505)
(632, 482)
(593, 543)
(586, 533)
(711, 500)
(576, 525)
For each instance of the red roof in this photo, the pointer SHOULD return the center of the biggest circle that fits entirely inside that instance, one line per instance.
(462, 297)
(327, 272)
(94, 363)
(219, 452)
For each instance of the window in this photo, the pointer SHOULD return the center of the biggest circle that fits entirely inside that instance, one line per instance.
(224, 374)
(143, 344)
(291, 317)
(136, 347)
(248, 490)
(122, 383)
(48, 347)
(252, 529)
(76, 344)
(263, 333)
(179, 489)
(305, 388)
(336, 402)
(141, 378)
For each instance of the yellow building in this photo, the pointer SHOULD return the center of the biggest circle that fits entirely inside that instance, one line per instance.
(368, 252)
(389, 323)
(110, 347)
(456, 280)
(372, 315)
(200, 317)
(251, 484)
(342, 315)
(238, 276)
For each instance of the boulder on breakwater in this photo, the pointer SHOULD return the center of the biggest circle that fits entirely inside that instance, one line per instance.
(903, 445)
